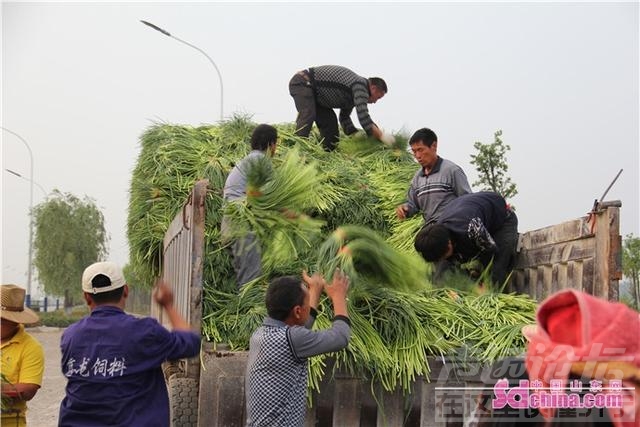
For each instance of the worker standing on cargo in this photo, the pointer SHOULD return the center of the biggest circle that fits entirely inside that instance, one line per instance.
(478, 226)
(316, 91)
(435, 184)
(22, 356)
(112, 360)
(245, 250)
(276, 378)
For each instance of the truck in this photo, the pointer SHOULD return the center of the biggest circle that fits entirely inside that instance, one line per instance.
(583, 253)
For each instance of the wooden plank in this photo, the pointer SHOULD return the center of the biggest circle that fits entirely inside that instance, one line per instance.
(531, 279)
(574, 275)
(557, 253)
(564, 232)
(541, 286)
(577, 257)
(588, 276)
(561, 276)
(431, 414)
(391, 410)
(346, 402)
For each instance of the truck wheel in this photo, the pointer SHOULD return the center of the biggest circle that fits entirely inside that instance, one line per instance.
(183, 401)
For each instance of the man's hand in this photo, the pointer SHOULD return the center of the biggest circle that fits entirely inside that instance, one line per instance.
(339, 285)
(316, 284)
(163, 294)
(387, 139)
(337, 291)
(401, 211)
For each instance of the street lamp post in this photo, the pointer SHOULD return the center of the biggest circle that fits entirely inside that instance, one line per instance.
(167, 33)
(28, 295)
(12, 172)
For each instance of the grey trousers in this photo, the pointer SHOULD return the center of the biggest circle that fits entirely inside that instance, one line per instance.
(247, 259)
(309, 111)
(245, 252)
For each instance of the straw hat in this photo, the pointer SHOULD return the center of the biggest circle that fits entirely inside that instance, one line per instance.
(13, 309)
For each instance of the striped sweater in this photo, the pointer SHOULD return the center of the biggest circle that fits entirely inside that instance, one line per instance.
(339, 87)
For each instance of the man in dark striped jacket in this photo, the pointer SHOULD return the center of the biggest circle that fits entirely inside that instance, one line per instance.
(318, 90)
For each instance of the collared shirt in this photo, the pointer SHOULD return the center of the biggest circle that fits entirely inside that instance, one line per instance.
(22, 363)
(339, 87)
(235, 186)
(276, 379)
(112, 362)
(430, 193)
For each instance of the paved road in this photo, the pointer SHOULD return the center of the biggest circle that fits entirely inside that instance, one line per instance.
(43, 408)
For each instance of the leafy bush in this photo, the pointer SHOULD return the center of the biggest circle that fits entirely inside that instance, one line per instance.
(60, 318)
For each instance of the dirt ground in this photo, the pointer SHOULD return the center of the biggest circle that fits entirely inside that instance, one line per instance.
(42, 410)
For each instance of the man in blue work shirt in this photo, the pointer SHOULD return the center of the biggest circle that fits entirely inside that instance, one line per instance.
(112, 360)
(477, 226)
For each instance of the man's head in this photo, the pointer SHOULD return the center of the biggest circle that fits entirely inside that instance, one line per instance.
(263, 138)
(377, 89)
(287, 300)
(433, 242)
(424, 145)
(13, 311)
(103, 283)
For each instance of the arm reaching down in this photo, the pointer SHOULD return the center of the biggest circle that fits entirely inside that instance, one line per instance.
(163, 295)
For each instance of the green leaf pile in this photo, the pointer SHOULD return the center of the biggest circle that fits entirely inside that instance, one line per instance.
(318, 211)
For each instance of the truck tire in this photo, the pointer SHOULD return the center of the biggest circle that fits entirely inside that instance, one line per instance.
(183, 401)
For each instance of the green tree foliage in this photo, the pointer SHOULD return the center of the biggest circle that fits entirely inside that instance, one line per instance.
(69, 236)
(631, 265)
(491, 164)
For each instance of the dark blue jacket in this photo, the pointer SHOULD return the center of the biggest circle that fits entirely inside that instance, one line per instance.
(472, 219)
(112, 362)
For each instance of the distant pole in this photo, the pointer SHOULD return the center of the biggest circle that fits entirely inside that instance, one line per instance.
(167, 33)
(28, 296)
(12, 172)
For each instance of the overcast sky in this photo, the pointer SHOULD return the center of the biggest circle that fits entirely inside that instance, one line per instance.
(82, 81)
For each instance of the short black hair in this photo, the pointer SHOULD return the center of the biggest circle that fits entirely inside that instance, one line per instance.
(283, 294)
(379, 83)
(426, 135)
(263, 136)
(432, 241)
(102, 281)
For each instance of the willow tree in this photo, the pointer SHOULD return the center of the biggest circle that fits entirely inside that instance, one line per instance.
(69, 235)
(491, 164)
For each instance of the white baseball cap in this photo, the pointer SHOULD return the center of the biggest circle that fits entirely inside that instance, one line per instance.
(108, 269)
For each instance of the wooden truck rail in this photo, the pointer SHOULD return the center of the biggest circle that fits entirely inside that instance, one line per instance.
(209, 391)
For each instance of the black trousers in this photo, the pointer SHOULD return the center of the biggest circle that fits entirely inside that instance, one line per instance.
(309, 111)
(506, 239)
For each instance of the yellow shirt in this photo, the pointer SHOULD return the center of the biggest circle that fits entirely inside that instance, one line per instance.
(22, 362)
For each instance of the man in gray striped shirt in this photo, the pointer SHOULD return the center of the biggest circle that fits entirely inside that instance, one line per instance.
(318, 90)
(435, 184)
